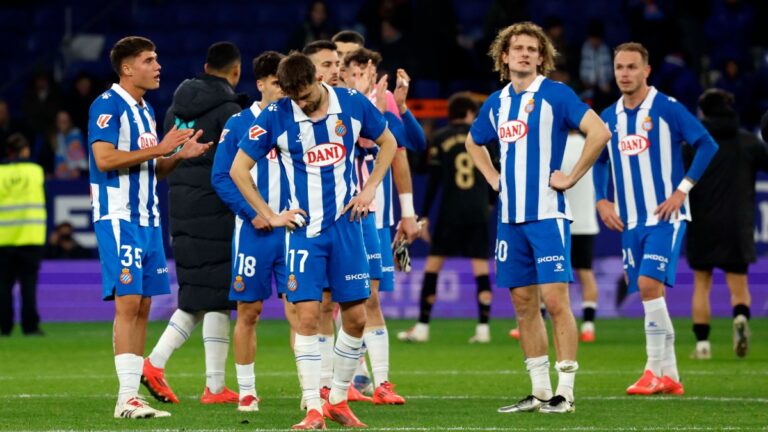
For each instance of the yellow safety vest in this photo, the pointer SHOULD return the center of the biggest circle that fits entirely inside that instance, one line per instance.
(22, 204)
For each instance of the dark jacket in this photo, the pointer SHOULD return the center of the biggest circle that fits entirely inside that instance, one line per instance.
(201, 225)
(723, 201)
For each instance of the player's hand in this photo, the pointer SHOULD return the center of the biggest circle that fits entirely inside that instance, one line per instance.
(607, 213)
(401, 90)
(381, 94)
(361, 79)
(173, 139)
(360, 203)
(261, 223)
(671, 206)
(559, 181)
(291, 219)
(424, 230)
(407, 229)
(192, 148)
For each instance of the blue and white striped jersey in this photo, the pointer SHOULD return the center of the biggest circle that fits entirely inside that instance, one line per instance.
(266, 173)
(531, 128)
(127, 194)
(645, 152)
(318, 157)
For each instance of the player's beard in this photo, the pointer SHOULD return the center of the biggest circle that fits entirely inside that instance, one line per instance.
(312, 106)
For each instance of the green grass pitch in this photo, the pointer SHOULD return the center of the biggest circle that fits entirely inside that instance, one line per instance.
(66, 381)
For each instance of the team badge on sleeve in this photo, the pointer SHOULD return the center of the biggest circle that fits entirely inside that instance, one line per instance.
(255, 132)
(125, 277)
(223, 134)
(103, 120)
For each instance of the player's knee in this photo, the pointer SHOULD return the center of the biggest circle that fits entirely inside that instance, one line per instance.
(249, 315)
(484, 298)
(649, 288)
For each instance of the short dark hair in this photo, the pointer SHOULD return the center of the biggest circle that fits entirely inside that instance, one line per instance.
(317, 46)
(16, 142)
(295, 73)
(266, 64)
(361, 57)
(349, 36)
(128, 47)
(632, 47)
(459, 104)
(222, 55)
(717, 102)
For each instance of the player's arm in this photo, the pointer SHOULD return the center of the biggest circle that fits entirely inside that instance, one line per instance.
(416, 141)
(360, 202)
(401, 171)
(241, 176)
(221, 181)
(605, 208)
(107, 157)
(597, 135)
(706, 147)
(483, 162)
(191, 149)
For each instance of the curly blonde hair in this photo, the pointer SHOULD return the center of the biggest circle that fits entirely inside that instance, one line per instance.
(500, 45)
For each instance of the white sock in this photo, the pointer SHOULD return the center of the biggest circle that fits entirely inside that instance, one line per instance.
(421, 328)
(346, 355)
(538, 370)
(669, 362)
(216, 343)
(246, 380)
(307, 353)
(655, 333)
(377, 342)
(566, 375)
(128, 367)
(179, 328)
(326, 359)
(362, 366)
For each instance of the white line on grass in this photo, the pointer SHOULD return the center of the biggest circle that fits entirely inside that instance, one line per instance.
(403, 373)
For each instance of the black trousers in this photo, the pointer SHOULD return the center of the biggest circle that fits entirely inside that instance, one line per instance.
(19, 263)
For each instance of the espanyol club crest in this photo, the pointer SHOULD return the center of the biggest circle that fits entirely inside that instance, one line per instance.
(647, 124)
(125, 277)
(238, 285)
(530, 106)
(292, 283)
(512, 131)
(633, 145)
(340, 129)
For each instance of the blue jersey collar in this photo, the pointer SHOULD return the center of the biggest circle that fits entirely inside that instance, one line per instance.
(509, 91)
